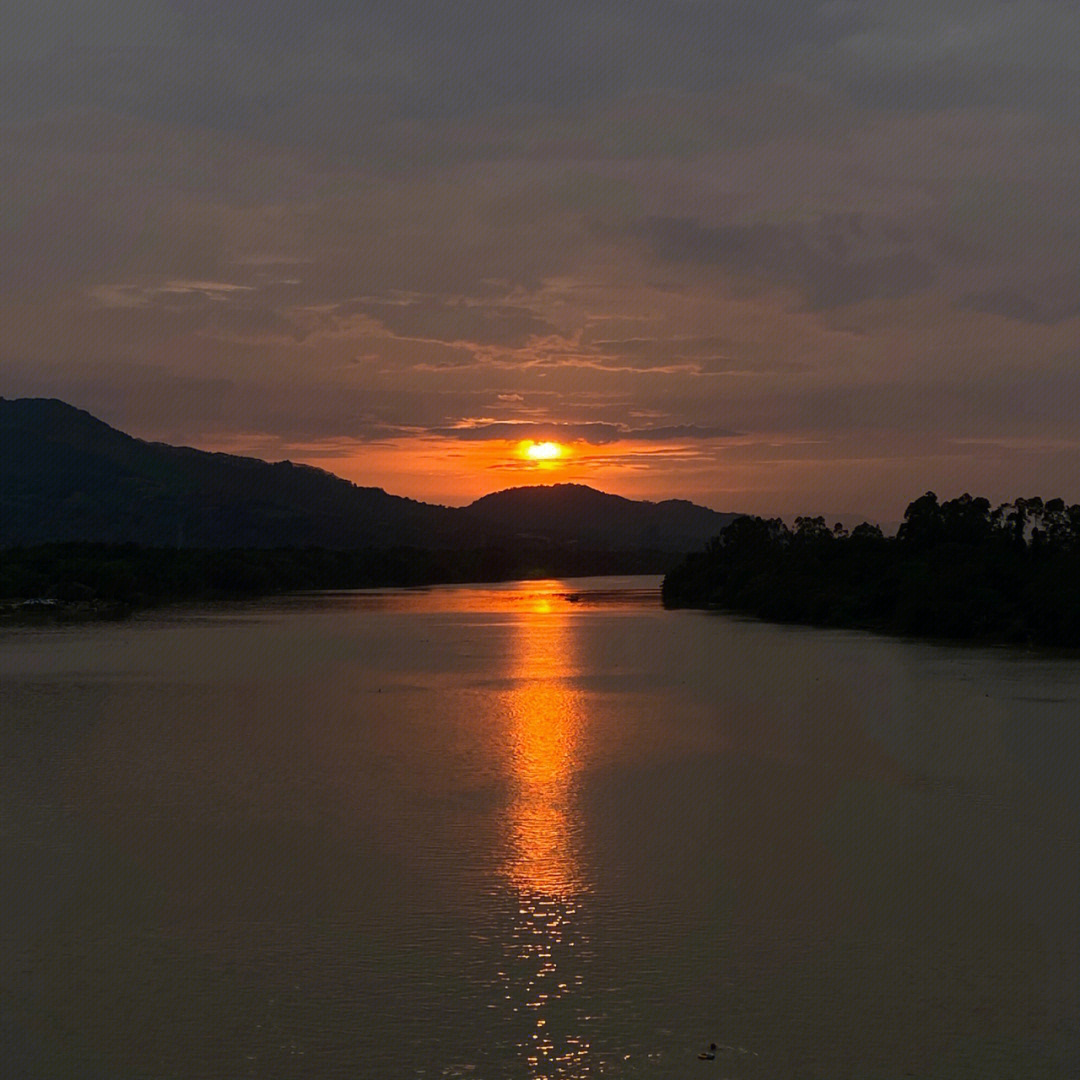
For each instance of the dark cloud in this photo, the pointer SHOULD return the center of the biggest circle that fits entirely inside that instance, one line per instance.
(679, 431)
(476, 322)
(1046, 308)
(253, 324)
(822, 261)
(934, 54)
(237, 64)
(332, 72)
(598, 434)
(710, 354)
(219, 308)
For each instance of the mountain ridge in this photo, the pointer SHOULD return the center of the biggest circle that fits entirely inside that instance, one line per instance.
(65, 476)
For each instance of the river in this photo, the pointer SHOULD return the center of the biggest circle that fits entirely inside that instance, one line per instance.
(541, 829)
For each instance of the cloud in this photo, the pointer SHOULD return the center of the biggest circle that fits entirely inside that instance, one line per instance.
(1018, 305)
(224, 309)
(238, 63)
(616, 222)
(930, 54)
(473, 321)
(167, 293)
(822, 261)
(598, 434)
(678, 347)
(272, 69)
(706, 355)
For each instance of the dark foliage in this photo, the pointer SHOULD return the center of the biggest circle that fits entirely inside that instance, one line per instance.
(958, 569)
(102, 576)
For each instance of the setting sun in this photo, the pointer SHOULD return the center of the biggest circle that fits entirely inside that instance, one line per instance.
(545, 451)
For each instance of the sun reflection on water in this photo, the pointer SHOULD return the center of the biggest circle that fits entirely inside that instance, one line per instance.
(543, 975)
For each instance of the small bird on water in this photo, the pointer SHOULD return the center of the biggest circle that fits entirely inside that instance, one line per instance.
(708, 1055)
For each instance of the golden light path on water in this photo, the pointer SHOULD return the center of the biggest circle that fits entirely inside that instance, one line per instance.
(547, 745)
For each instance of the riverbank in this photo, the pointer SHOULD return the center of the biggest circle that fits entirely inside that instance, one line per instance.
(49, 609)
(73, 582)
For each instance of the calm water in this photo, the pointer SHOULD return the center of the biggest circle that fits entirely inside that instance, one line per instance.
(536, 830)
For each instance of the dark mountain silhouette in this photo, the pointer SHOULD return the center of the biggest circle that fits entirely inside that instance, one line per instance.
(66, 476)
(575, 513)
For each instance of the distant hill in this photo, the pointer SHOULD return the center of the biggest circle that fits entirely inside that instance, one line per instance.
(574, 513)
(67, 476)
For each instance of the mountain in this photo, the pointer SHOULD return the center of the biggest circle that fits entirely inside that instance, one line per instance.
(67, 476)
(574, 513)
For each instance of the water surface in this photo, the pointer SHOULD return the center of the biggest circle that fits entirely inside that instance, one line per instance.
(544, 829)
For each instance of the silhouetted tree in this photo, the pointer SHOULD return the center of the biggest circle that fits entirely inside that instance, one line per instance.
(956, 569)
(923, 526)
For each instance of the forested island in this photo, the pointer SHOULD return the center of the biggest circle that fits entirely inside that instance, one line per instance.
(958, 569)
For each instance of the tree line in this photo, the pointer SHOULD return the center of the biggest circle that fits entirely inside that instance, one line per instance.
(88, 576)
(956, 569)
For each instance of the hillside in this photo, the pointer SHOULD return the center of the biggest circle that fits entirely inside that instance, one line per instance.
(66, 476)
(567, 513)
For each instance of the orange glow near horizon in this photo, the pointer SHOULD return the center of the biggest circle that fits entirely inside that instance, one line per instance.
(455, 472)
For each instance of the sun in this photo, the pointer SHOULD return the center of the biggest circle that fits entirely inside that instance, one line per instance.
(543, 451)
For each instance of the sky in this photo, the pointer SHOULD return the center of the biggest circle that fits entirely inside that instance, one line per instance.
(774, 257)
